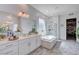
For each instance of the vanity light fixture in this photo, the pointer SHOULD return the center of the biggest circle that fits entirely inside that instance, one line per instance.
(23, 14)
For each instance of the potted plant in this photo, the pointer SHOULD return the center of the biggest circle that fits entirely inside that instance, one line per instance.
(33, 31)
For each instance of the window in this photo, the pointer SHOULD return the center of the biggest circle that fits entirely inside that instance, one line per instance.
(42, 28)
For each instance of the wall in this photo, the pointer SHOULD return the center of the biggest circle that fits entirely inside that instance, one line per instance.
(25, 23)
(7, 17)
(28, 23)
(10, 8)
(52, 26)
(60, 20)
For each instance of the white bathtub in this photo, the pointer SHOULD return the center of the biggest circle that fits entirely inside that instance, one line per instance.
(48, 38)
(48, 41)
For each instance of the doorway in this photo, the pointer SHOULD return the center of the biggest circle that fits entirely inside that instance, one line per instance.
(71, 29)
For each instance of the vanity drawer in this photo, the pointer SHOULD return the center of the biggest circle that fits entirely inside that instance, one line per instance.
(8, 45)
(9, 52)
(9, 48)
(24, 46)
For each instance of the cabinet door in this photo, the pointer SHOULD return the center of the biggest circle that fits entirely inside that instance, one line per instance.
(11, 51)
(10, 48)
(24, 47)
(38, 41)
(14, 48)
(32, 44)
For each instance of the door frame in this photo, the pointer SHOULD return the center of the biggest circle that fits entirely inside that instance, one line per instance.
(76, 27)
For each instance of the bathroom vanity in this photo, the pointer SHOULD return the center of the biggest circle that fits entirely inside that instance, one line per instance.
(22, 46)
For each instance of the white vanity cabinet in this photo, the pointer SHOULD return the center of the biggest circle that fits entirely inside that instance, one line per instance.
(38, 41)
(24, 46)
(10, 48)
(28, 45)
(21, 46)
(32, 43)
(35, 43)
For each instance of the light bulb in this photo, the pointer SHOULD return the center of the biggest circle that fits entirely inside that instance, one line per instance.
(20, 14)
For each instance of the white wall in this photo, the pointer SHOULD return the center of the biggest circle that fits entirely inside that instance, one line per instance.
(28, 23)
(4, 17)
(60, 20)
(10, 8)
(52, 23)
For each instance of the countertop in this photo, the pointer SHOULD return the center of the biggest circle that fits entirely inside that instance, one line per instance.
(4, 41)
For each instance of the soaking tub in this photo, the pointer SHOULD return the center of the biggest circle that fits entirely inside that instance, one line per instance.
(48, 41)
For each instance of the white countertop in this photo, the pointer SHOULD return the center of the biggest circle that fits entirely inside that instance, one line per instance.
(20, 38)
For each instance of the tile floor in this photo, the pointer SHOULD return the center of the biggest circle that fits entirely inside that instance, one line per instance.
(67, 47)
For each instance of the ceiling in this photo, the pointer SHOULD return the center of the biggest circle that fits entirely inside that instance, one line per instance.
(56, 9)
(13, 8)
(46, 9)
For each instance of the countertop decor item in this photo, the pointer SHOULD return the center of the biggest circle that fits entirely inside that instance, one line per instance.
(33, 31)
(18, 30)
(2, 37)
